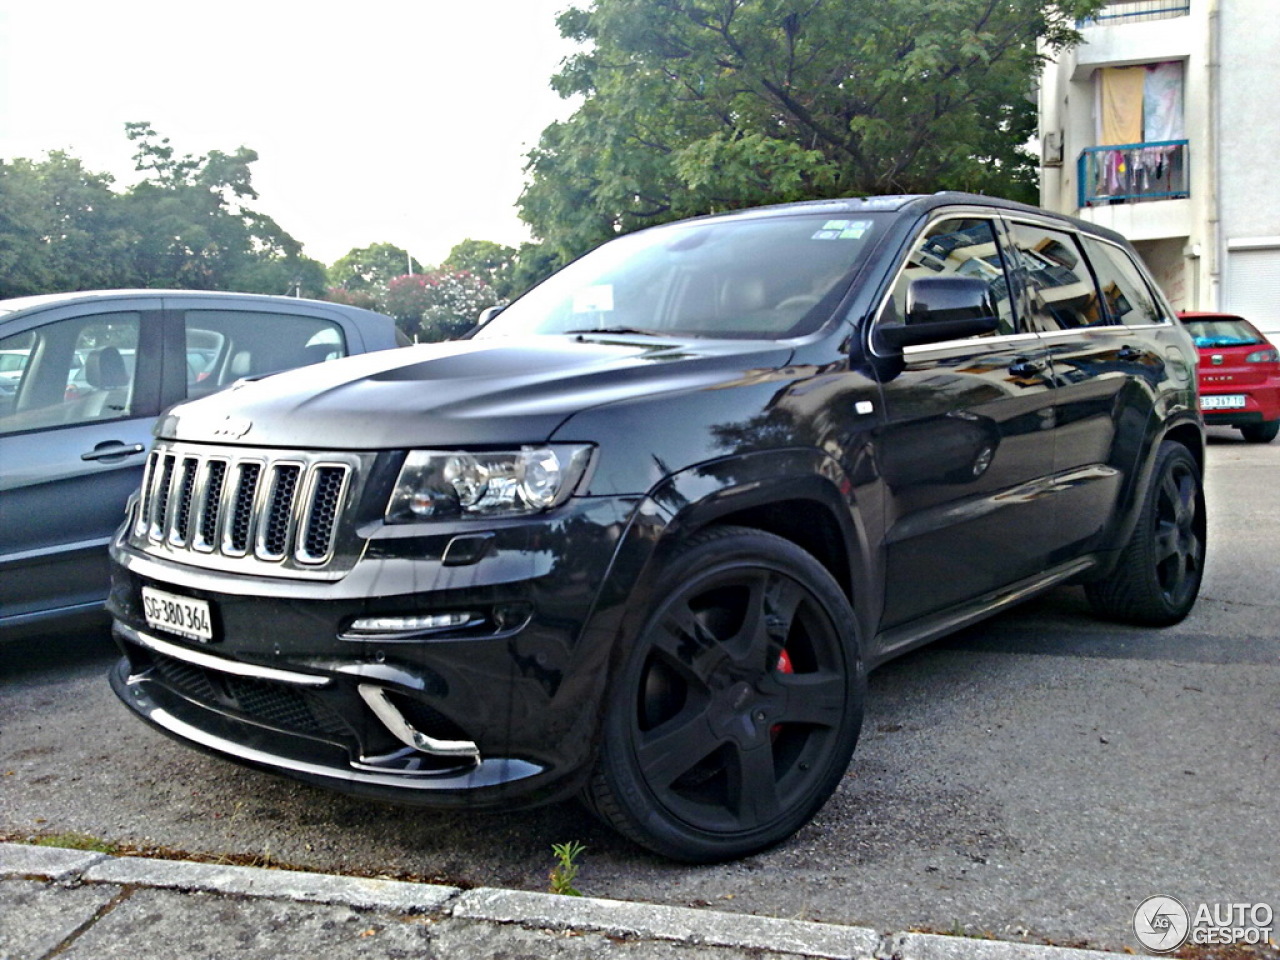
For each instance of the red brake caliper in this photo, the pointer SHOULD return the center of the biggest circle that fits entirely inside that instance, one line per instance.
(784, 666)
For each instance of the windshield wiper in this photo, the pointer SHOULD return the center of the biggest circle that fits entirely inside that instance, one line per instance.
(646, 333)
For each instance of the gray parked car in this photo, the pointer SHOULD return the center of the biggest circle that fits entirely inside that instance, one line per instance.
(84, 376)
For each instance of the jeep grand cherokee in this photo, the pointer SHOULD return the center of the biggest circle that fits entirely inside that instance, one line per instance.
(641, 537)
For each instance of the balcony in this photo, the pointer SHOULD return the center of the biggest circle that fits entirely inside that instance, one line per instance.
(1133, 173)
(1129, 11)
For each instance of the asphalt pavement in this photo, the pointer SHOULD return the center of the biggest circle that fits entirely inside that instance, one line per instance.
(1030, 779)
(73, 904)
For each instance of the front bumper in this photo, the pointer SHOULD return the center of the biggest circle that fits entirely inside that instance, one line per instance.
(500, 710)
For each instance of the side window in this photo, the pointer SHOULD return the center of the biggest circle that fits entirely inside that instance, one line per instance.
(224, 345)
(958, 247)
(1125, 293)
(72, 371)
(1059, 286)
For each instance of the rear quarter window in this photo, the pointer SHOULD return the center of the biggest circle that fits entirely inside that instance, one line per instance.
(1125, 293)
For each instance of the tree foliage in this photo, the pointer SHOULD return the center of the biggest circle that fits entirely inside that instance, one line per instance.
(372, 267)
(438, 305)
(494, 263)
(692, 106)
(199, 231)
(61, 228)
(187, 224)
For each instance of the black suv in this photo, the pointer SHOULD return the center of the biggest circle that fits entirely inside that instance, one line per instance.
(642, 535)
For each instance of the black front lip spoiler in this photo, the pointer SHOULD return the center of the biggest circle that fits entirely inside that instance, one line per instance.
(493, 781)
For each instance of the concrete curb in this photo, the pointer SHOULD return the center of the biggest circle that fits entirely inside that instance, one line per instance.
(360, 892)
(535, 911)
(646, 921)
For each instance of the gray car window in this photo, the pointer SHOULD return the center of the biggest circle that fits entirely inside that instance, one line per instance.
(224, 345)
(78, 370)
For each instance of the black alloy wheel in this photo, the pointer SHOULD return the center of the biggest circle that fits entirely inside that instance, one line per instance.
(1158, 577)
(739, 705)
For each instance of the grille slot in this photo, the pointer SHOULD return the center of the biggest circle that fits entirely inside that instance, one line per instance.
(253, 505)
(237, 539)
(211, 509)
(329, 484)
(274, 704)
(273, 538)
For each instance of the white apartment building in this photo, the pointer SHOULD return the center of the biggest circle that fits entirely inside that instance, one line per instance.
(1164, 125)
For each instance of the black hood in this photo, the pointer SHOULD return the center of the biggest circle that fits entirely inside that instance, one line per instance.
(470, 392)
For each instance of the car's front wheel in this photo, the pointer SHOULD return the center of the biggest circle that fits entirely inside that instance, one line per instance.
(1158, 577)
(736, 711)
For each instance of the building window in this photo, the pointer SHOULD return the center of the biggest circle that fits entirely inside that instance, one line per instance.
(1140, 104)
(1142, 152)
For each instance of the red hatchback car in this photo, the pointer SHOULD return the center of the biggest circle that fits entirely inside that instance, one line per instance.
(1239, 375)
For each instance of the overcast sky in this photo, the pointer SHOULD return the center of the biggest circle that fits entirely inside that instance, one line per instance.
(400, 121)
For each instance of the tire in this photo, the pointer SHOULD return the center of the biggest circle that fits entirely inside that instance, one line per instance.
(716, 743)
(1263, 432)
(1160, 569)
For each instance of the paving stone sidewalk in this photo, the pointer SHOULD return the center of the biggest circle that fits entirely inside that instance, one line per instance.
(75, 905)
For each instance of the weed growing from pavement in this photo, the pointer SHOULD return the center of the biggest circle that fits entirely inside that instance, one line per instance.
(566, 869)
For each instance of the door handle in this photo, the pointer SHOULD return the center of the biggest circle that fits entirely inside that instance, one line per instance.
(113, 450)
(1023, 367)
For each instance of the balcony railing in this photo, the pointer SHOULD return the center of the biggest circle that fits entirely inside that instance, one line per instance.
(1130, 10)
(1133, 173)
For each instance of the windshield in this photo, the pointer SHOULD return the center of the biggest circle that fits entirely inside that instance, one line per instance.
(1223, 332)
(771, 277)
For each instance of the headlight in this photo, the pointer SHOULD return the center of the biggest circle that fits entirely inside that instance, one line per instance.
(453, 484)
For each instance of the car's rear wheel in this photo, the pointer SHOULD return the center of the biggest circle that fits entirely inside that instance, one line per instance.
(1263, 432)
(737, 709)
(1158, 577)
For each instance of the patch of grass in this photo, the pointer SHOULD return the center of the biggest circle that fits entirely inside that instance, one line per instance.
(76, 841)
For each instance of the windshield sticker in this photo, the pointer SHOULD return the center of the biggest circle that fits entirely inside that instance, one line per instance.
(843, 230)
(597, 299)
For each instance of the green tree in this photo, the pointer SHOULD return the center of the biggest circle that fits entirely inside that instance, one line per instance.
(372, 268)
(693, 106)
(61, 228)
(534, 263)
(438, 305)
(194, 227)
(494, 263)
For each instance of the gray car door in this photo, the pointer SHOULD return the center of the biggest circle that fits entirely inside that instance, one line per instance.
(73, 440)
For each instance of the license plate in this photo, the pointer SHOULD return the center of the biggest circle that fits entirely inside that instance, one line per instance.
(1225, 401)
(185, 616)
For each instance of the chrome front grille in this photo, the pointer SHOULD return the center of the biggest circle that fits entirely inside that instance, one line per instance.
(274, 507)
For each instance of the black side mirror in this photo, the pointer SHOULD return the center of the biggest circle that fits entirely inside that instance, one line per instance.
(941, 308)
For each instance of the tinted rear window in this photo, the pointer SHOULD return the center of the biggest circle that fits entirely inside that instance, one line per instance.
(1223, 332)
